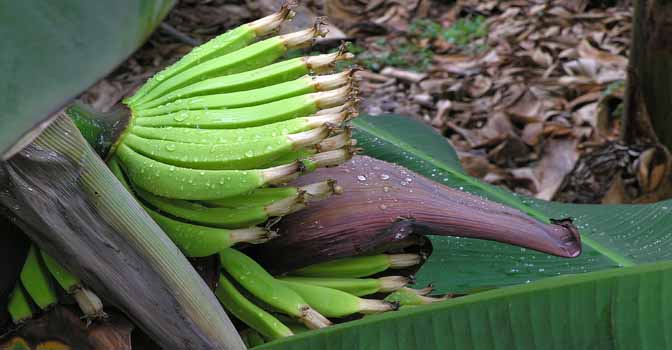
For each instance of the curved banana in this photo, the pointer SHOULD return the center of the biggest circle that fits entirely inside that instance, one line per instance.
(221, 45)
(88, 301)
(35, 279)
(342, 140)
(248, 155)
(304, 85)
(355, 286)
(185, 183)
(246, 311)
(335, 303)
(272, 112)
(196, 240)
(222, 217)
(257, 55)
(19, 307)
(258, 198)
(228, 136)
(270, 195)
(271, 291)
(253, 79)
(359, 266)
(201, 241)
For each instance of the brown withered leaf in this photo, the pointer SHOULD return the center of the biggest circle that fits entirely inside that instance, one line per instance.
(559, 157)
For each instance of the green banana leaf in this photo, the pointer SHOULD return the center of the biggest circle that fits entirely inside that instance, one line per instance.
(54, 50)
(612, 235)
(626, 306)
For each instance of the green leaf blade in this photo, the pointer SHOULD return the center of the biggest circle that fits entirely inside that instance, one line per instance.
(614, 309)
(54, 50)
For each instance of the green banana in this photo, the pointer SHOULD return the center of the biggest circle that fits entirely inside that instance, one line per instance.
(335, 303)
(327, 159)
(185, 183)
(254, 79)
(248, 155)
(223, 44)
(407, 297)
(245, 59)
(257, 198)
(304, 85)
(88, 301)
(266, 196)
(222, 217)
(272, 112)
(355, 286)
(201, 241)
(359, 266)
(333, 143)
(271, 291)
(227, 215)
(348, 107)
(227, 136)
(196, 240)
(19, 305)
(246, 311)
(35, 279)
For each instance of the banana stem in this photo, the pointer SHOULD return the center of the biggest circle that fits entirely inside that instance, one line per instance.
(346, 107)
(327, 159)
(304, 37)
(335, 142)
(282, 173)
(391, 283)
(89, 303)
(322, 62)
(332, 98)
(332, 81)
(273, 21)
(285, 206)
(321, 190)
(313, 319)
(423, 291)
(327, 119)
(252, 235)
(309, 138)
(399, 261)
(371, 306)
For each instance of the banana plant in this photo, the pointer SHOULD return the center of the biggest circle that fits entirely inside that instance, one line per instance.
(614, 296)
(203, 138)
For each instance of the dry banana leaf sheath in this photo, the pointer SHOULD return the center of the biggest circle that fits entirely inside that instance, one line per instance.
(67, 201)
(383, 202)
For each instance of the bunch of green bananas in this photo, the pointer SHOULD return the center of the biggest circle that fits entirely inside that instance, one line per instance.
(36, 289)
(212, 137)
(311, 295)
